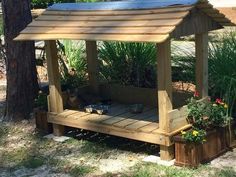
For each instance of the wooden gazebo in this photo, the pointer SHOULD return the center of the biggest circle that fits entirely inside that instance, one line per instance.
(155, 21)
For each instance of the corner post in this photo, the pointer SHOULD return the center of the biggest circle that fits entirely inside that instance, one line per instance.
(93, 66)
(55, 96)
(201, 44)
(164, 93)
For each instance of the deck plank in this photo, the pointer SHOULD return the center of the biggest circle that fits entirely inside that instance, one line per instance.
(113, 111)
(79, 115)
(137, 125)
(118, 118)
(134, 118)
(111, 130)
(113, 120)
(149, 128)
(67, 113)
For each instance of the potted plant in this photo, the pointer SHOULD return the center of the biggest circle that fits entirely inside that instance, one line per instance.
(40, 112)
(189, 144)
(207, 138)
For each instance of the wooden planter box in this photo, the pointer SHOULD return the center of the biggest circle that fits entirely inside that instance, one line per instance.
(192, 154)
(41, 121)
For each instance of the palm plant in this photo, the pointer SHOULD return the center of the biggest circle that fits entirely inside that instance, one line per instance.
(74, 65)
(222, 73)
(129, 63)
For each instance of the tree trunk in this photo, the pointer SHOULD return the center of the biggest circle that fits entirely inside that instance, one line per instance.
(22, 83)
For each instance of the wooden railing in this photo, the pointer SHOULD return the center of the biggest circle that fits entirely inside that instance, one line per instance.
(178, 117)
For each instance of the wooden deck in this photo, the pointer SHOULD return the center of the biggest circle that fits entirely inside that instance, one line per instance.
(118, 121)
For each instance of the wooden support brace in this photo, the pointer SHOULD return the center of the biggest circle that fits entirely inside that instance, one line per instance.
(164, 93)
(55, 95)
(164, 84)
(201, 41)
(93, 66)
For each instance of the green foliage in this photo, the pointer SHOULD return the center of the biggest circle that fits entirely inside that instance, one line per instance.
(80, 170)
(194, 135)
(129, 63)
(74, 73)
(222, 64)
(227, 172)
(1, 28)
(198, 113)
(222, 73)
(33, 162)
(46, 3)
(154, 170)
(41, 101)
(206, 114)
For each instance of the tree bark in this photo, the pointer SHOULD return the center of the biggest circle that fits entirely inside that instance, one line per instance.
(22, 86)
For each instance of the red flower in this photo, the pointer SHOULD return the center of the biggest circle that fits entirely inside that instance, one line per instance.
(196, 94)
(219, 101)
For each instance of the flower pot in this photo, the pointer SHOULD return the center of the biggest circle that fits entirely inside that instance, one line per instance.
(187, 154)
(215, 144)
(192, 154)
(41, 122)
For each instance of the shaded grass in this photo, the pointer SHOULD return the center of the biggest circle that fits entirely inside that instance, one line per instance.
(3, 134)
(154, 170)
(80, 170)
(227, 172)
(93, 148)
(33, 162)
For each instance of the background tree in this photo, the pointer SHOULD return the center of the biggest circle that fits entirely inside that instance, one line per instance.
(22, 86)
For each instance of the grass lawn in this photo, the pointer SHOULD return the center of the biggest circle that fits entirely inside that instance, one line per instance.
(24, 152)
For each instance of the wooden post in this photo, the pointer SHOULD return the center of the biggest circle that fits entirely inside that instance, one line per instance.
(55, 96)
(201, 43)
(164, 93)
(93, 66)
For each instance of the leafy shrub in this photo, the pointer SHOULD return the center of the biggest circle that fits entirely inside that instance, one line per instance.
(129, 63)
(222, 73)
(207, 114)
(222, 64)
(46, 3)
(41, 101)
(1, 27)
(73, 63)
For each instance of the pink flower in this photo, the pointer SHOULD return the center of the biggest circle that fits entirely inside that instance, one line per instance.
(196, 94)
